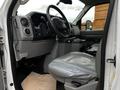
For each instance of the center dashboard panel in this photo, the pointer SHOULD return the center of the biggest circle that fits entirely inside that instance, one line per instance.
(32, 36)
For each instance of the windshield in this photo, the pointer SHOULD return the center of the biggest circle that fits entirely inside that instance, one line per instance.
(70, 11)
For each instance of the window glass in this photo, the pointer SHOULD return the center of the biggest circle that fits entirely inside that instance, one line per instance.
(70, 11)
(88, 19)
(95, 18)
(90, 15)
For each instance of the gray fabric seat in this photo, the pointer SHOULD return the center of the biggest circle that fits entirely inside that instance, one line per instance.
(74, 66)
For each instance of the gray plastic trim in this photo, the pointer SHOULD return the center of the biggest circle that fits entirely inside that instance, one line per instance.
(89, 86)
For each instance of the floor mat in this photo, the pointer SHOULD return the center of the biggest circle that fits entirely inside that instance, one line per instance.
(36, 81)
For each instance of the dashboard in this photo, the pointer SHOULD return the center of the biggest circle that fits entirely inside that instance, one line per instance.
(33, 36)
(34, 26)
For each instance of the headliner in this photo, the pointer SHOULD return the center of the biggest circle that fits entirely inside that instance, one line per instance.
(94, 2)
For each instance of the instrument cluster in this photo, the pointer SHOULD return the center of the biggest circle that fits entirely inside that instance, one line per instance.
(34, 26)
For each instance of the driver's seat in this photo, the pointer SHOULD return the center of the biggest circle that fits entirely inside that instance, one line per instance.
(76, 67)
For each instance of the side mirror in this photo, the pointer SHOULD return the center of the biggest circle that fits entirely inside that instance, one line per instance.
(22, 2)
(65, 2)
(89, 25)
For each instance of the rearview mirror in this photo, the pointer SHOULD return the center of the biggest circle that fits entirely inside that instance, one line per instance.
(65, 2)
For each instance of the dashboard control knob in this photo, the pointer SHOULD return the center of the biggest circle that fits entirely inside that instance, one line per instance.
(27, 31)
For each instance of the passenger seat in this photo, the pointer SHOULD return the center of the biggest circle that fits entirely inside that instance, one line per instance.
(76, 67)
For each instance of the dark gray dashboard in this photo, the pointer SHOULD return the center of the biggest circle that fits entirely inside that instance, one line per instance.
(32, 36)
(34, 26)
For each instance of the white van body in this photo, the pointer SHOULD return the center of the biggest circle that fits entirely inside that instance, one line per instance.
(112, 73)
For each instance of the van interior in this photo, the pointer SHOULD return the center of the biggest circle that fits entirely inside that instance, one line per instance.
(48, 44)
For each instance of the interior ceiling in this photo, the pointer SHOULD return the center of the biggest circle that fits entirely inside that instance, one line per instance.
(94, 2)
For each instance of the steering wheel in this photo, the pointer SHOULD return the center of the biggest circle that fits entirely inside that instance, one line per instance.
(60, 25)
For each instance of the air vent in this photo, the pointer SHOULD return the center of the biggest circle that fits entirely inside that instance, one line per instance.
(24, 22)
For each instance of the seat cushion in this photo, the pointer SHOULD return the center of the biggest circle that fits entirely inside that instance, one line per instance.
(73, 65)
